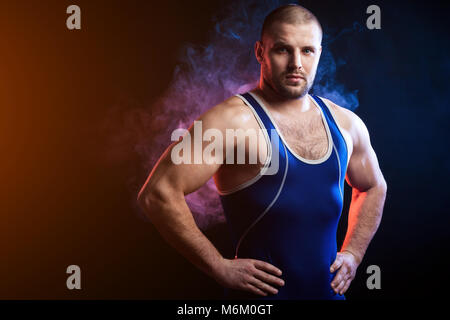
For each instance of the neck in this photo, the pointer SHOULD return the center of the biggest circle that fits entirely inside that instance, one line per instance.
(273, 100)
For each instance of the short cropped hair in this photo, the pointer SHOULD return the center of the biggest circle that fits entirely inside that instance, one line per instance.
(290, 13)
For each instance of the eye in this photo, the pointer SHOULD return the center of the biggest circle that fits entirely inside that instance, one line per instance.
(282, 49)
(308, 51)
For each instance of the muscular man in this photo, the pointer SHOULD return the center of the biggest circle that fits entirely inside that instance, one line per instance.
(283, 224)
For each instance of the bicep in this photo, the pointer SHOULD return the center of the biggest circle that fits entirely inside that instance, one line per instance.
(177, 172)
(184, 177)
(363, 170)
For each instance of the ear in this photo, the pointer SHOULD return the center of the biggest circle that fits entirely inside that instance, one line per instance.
(259, 51)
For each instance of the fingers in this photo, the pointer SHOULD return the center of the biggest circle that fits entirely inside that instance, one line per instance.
(264, 277)
(340, 275)
(340, 279)
(340, 286)
(255, 290)
(337, 263)
(267, 267)
(268, 278)
(263, 286)
(346, 286)
(345, 262)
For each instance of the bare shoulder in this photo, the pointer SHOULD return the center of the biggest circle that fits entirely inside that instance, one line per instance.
(350, 122)
(231, 113)
(346, 117)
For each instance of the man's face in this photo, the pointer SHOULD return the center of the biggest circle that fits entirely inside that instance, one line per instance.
(290, 50)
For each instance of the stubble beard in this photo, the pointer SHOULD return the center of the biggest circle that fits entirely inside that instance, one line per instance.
(287, 91)
(292, 91)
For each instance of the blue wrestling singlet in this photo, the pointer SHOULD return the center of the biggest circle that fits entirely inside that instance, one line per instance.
(289, 219)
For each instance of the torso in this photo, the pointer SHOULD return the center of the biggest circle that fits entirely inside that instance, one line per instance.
(305, 135)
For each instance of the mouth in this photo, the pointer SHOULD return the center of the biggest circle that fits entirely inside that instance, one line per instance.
(294, 77)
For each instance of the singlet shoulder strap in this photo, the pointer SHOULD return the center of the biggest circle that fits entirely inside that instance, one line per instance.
(328, 114)
(340, 142)
(323, 107)
(250, 101)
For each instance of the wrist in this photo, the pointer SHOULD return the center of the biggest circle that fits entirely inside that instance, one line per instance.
(357, 257)
(219, 270)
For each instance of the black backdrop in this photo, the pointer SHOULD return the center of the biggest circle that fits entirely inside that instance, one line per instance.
(70, 166)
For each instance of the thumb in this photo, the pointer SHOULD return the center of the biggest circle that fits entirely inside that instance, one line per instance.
(337, 263)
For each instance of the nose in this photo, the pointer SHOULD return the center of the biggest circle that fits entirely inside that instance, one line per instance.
(296, 61)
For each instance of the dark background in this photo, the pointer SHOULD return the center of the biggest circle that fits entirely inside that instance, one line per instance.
(66, 199)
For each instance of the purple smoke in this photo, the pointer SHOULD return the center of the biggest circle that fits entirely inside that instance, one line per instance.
(205, 76)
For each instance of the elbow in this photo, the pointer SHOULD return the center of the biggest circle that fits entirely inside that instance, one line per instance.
(141, 197)
(380, 187)
(148, 201)
(383, 185)
(380, 184)
(156, 201)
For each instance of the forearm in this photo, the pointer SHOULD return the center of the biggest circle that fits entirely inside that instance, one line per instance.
(174, 221)
(366, 209)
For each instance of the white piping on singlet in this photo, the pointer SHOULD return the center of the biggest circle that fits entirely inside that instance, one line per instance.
(339, 164)
(338, 126)
(324, 121)
(265, 167)
(269, 206)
